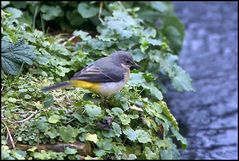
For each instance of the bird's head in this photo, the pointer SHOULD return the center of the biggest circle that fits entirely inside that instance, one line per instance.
(125, 59)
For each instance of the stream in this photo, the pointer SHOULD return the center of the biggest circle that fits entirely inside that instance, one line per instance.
(208, 118)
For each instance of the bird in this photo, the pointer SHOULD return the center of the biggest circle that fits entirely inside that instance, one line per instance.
(105, 76)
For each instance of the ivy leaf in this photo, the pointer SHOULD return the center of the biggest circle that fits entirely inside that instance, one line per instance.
(78, 117)
(150, 155)
(99, 152)
(179, 138)
(4, 4)
(136, 79)
(13, 55)
(132, 157)
(48, 101)
(92, 110)
(53, 133)
(91, 137)
(68, 133)
(50, 12)
(117, 111)
(86, 10)
(166, 154)
(83, 35)
(138, 55)
(155, 92)
(182, 81)
(130, 133)
(160, 6)
(167, 112)
(54, 119)
(173, 29)
(70, 151)
(19, 154)
(107, 144)
(125, 119)
(143, 136)
(16, 13)
(116, 129)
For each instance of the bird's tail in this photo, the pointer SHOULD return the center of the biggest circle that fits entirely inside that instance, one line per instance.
(55, 86)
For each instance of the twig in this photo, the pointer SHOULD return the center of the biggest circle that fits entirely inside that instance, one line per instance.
(21, 121)
(69, 40)
(82, 148)
(9, 135)
(100, 11)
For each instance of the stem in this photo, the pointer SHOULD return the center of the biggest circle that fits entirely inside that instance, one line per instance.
(100, 11)
(42, 25)
(68, 40)
(9, 135)
(21, 121)
(34, 18)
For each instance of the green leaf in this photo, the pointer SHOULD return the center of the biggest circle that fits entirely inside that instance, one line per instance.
(138, 55)
(150, 155)
(83, 35)
(130, 133)
(167, 112)
(180, 138)
(91, 137)
(16, 13)
(116, 129)
(132, 157)
(50, 12)
(143, 136)
(117, 111)
(86, 10)
(107, 144)
(27, 96)
(160, 6)
(182, 81)
(19, 154)
(79, 117)
(68, 134)
(53, 133)
(4, 3)
(92, 110)
(173, 29)
(125, 119)
(166, 154)
(48, 101)
(10, 67)
(54, 119)
(155, 92)
(13, 55)
(99, 152)
(70, 151)
(136, 79)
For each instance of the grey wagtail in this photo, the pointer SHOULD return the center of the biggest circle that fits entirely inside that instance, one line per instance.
(106, 76)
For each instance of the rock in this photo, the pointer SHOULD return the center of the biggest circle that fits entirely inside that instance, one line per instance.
(210, 55)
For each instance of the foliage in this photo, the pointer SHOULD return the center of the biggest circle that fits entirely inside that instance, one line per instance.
(136, 125)
(12, 55)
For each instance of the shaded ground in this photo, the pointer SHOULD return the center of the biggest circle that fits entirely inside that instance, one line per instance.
(210, 55)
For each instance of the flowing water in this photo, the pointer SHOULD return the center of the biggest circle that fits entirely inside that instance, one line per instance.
(209, 116)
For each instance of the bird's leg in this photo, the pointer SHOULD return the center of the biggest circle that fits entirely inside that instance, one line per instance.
(105, 101)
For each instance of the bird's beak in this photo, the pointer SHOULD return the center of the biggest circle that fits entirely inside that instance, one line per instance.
(135, 66)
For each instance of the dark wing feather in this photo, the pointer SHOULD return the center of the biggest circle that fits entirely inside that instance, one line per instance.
(94, 73)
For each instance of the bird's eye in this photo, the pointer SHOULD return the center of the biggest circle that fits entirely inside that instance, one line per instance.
(128, 62)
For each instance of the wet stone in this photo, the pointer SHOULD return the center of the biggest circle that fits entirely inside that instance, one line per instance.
(210, 56)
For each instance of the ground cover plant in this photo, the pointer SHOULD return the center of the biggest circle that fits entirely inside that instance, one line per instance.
(47, 42)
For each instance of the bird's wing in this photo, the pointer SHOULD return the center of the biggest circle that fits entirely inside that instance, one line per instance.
(104, 73)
